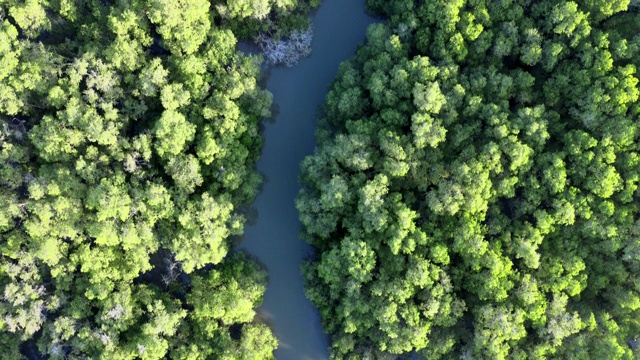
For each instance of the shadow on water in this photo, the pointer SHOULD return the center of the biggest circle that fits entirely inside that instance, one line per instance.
(272, 232)
(250, 214)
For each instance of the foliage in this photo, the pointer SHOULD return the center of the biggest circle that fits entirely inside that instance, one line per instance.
(474, 192)
(129, 129)
(278, 18)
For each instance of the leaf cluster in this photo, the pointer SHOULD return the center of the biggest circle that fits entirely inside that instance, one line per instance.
(474, 193)
(128, 134)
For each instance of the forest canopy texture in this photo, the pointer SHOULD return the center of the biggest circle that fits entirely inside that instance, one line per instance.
(474, 193)
(128, 136)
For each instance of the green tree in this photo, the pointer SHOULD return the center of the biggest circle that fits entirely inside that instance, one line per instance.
(472, 192)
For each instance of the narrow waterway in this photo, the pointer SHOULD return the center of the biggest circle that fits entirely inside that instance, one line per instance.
(339, 26)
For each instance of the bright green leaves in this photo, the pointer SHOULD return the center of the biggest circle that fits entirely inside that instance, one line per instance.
(256, 342)
(426, 130)
(395, 160)
(531, 50)
(258, 9)
(567, 19)
(350, 105)
(14, 172)
(336, 193)
(55, 143)
(243, 283)
(596, 171)
(25, 299)
(353, 152)
(560, 323)
(9, 53)
(110, 200)
(492, 165)
(157, 203)
(182, 24)
(321, 216)
(456, 193)
(207, 147)
(222, 321)
(605, 340)
(421, 273)
(428, 99)
(220, 48)
(147, 316)
(90, 116)
(172, 132)
(373, 285)
(132, 36)
(361, 269)
(531, 299)
(174, 96)
(371, 204)
(402, 235)
(201, 231)
(496, 330)
(152, 78)
(600, 9)
(469, 27)
(106, 139)
(185, 172)
(30, 16)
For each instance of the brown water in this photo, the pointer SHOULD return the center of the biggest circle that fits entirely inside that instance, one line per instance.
(339, 26)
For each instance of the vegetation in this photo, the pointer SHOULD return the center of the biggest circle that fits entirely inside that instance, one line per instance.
(129, 131)
(474, 193)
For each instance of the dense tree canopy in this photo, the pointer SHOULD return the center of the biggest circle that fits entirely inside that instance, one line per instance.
(475, 192)
(129, 133)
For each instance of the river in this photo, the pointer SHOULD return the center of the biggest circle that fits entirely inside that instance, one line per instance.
(273, 236)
